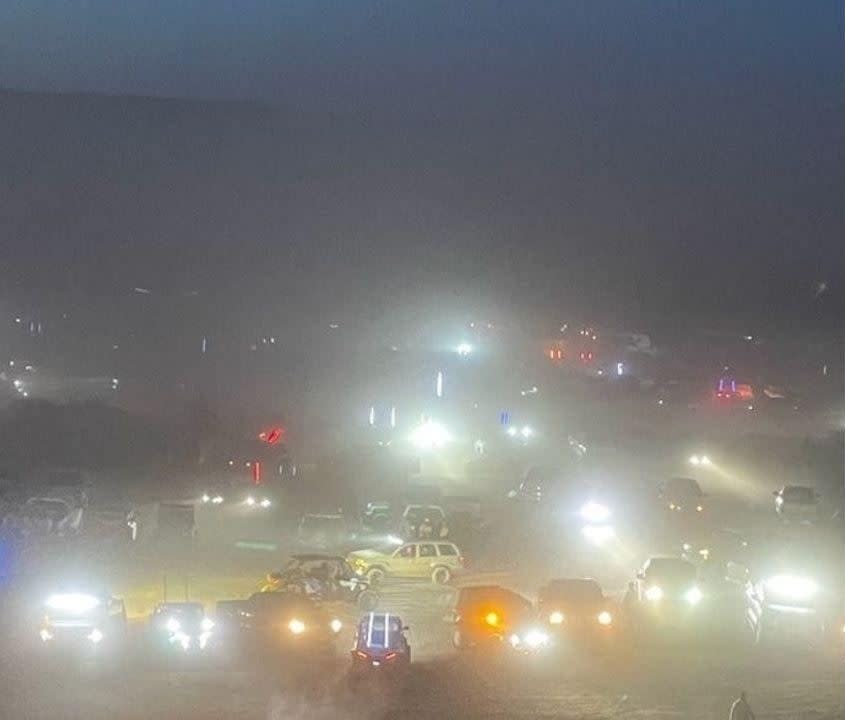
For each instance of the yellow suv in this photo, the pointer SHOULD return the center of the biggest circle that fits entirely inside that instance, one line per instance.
(436, 560)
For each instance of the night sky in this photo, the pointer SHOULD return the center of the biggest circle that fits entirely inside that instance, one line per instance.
(620, 159)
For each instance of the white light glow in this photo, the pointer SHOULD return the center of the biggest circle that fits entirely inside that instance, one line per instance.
(72, 602)
(464, 349)
(336, 625)
(535, 638)
(794, 587)
(693, 596)
(95, 636)
(430, 436)
(654, 593)
(173, 625)
(605, 618)
(595, 512)
(556, 618)
(598, 534)
(297, 627)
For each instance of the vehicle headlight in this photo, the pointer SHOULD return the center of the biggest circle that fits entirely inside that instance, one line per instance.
(173, 625)
(605, 618)
(492, 619)
(515, 640)
(95, 636)
(793, 587)
(699, 508)
(205, 497)
(297, 627)
(336, 625)
(217, 500)
(535, 638)
(556, 618)
(207, 624)
(72, 602)
(265, 502)
(595, 512)
(687, 547)
(654, 593)
(45, 635)
(694, 460)
(705, 460)
(693, 596)
(704, 552)
(250, 500)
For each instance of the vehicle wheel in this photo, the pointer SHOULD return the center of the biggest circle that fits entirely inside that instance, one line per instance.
(375, 575)
(368, 601)
(440, 575)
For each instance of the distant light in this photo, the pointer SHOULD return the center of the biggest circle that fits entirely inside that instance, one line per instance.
(142, 291)
(439, 384)
(95, 636)
(512, 431)
(599, 372)
(430, 436)
(660, 402)
(620, 368)
(393, 417)
(526, 431)
(334, 326)
(749, 337)
(464, 349)
(605, 618)
(371, 417)
(18, 320)
(25, 394)
(17, 383)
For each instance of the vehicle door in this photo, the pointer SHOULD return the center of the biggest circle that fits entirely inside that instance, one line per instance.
(426, 558)
(404, 560)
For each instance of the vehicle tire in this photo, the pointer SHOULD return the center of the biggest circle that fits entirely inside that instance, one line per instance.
(375, 575)
(368, 601)
(440, 575)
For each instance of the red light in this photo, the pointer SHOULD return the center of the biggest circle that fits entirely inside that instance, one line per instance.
(272, 436)
(551, 354)
(361, 654)
(390, 656)
(256, 473)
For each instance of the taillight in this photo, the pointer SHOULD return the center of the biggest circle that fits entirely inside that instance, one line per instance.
(361, 654)
(461, 561)
(390, 656)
